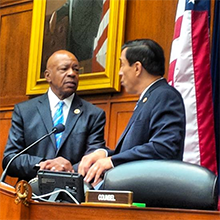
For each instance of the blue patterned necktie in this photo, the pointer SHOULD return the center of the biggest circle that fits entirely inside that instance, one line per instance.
(57, 119)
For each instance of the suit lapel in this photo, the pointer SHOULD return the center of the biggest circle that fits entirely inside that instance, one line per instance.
(137, 111)
(132, 119)
(75, 112)
(43, 107)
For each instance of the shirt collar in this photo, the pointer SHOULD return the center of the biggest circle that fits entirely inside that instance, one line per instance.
(142, 94)
(53, 99)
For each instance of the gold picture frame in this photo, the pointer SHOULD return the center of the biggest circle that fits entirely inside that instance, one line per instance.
(94, 82)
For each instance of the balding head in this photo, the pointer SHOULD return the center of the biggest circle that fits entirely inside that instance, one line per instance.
(62, 73)
(56, 56)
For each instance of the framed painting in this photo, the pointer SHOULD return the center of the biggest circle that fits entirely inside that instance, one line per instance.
(92, 30)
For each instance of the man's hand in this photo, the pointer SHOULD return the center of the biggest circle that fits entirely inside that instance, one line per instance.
(97, 169)
(57, 164)
(90, 159)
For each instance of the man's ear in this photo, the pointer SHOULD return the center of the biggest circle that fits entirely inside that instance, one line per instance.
(47, 75)
(138, 68)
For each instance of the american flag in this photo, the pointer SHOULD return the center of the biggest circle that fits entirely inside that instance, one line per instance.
(189, 72)
(100, 43)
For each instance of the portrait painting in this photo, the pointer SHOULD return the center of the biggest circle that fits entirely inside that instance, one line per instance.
(92, 30)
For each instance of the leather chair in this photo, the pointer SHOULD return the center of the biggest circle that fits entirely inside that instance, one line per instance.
(165, 183)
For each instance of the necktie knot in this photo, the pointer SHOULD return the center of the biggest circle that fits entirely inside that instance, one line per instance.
(60, 104)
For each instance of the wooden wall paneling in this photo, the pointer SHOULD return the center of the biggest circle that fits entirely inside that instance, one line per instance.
(118, 111)
(5, 124)
(152, 19)
(5, 3)
(119, 117)
(15, 24)
(15, 29)
(145, 19)
(105, 105)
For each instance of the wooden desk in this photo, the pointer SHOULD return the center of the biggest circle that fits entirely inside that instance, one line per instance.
(56, 211)
(69, 211)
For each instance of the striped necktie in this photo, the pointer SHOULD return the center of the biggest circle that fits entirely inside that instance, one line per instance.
(57, 119)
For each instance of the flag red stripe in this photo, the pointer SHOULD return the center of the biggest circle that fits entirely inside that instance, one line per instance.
(101, 40)
(171, 72)
(177, 28)
(105, 8)
(203, 86)
(189, 72)
(96, 66)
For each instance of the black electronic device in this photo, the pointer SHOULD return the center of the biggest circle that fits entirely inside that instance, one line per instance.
(64, 183)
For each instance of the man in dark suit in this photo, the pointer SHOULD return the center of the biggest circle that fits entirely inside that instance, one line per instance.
(156, 129)
(84, 124)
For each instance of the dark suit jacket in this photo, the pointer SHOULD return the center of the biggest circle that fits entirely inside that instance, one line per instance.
(84, 133)
(156, 129)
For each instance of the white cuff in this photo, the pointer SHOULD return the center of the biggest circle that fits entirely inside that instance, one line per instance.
(112, 163)
(106, 152)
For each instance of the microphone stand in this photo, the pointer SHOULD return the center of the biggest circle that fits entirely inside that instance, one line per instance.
(2, 179)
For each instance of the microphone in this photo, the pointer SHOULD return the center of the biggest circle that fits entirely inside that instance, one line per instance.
(57, 129)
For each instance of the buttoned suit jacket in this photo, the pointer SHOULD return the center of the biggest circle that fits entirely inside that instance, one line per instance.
(156, 129)
(84, 133)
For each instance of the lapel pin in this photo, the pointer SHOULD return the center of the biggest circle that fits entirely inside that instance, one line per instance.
(77, 111)
(145, 99)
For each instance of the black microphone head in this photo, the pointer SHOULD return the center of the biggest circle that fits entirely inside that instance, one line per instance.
(58, 128)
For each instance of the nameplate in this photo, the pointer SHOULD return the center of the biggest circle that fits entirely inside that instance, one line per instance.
(109, 196)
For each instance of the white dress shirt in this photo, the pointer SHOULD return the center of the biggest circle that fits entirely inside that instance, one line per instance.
(54, 100)
(142, 94)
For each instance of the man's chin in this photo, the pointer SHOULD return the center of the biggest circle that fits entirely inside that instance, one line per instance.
(69, 91)
(71, 87)
(129, 91)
